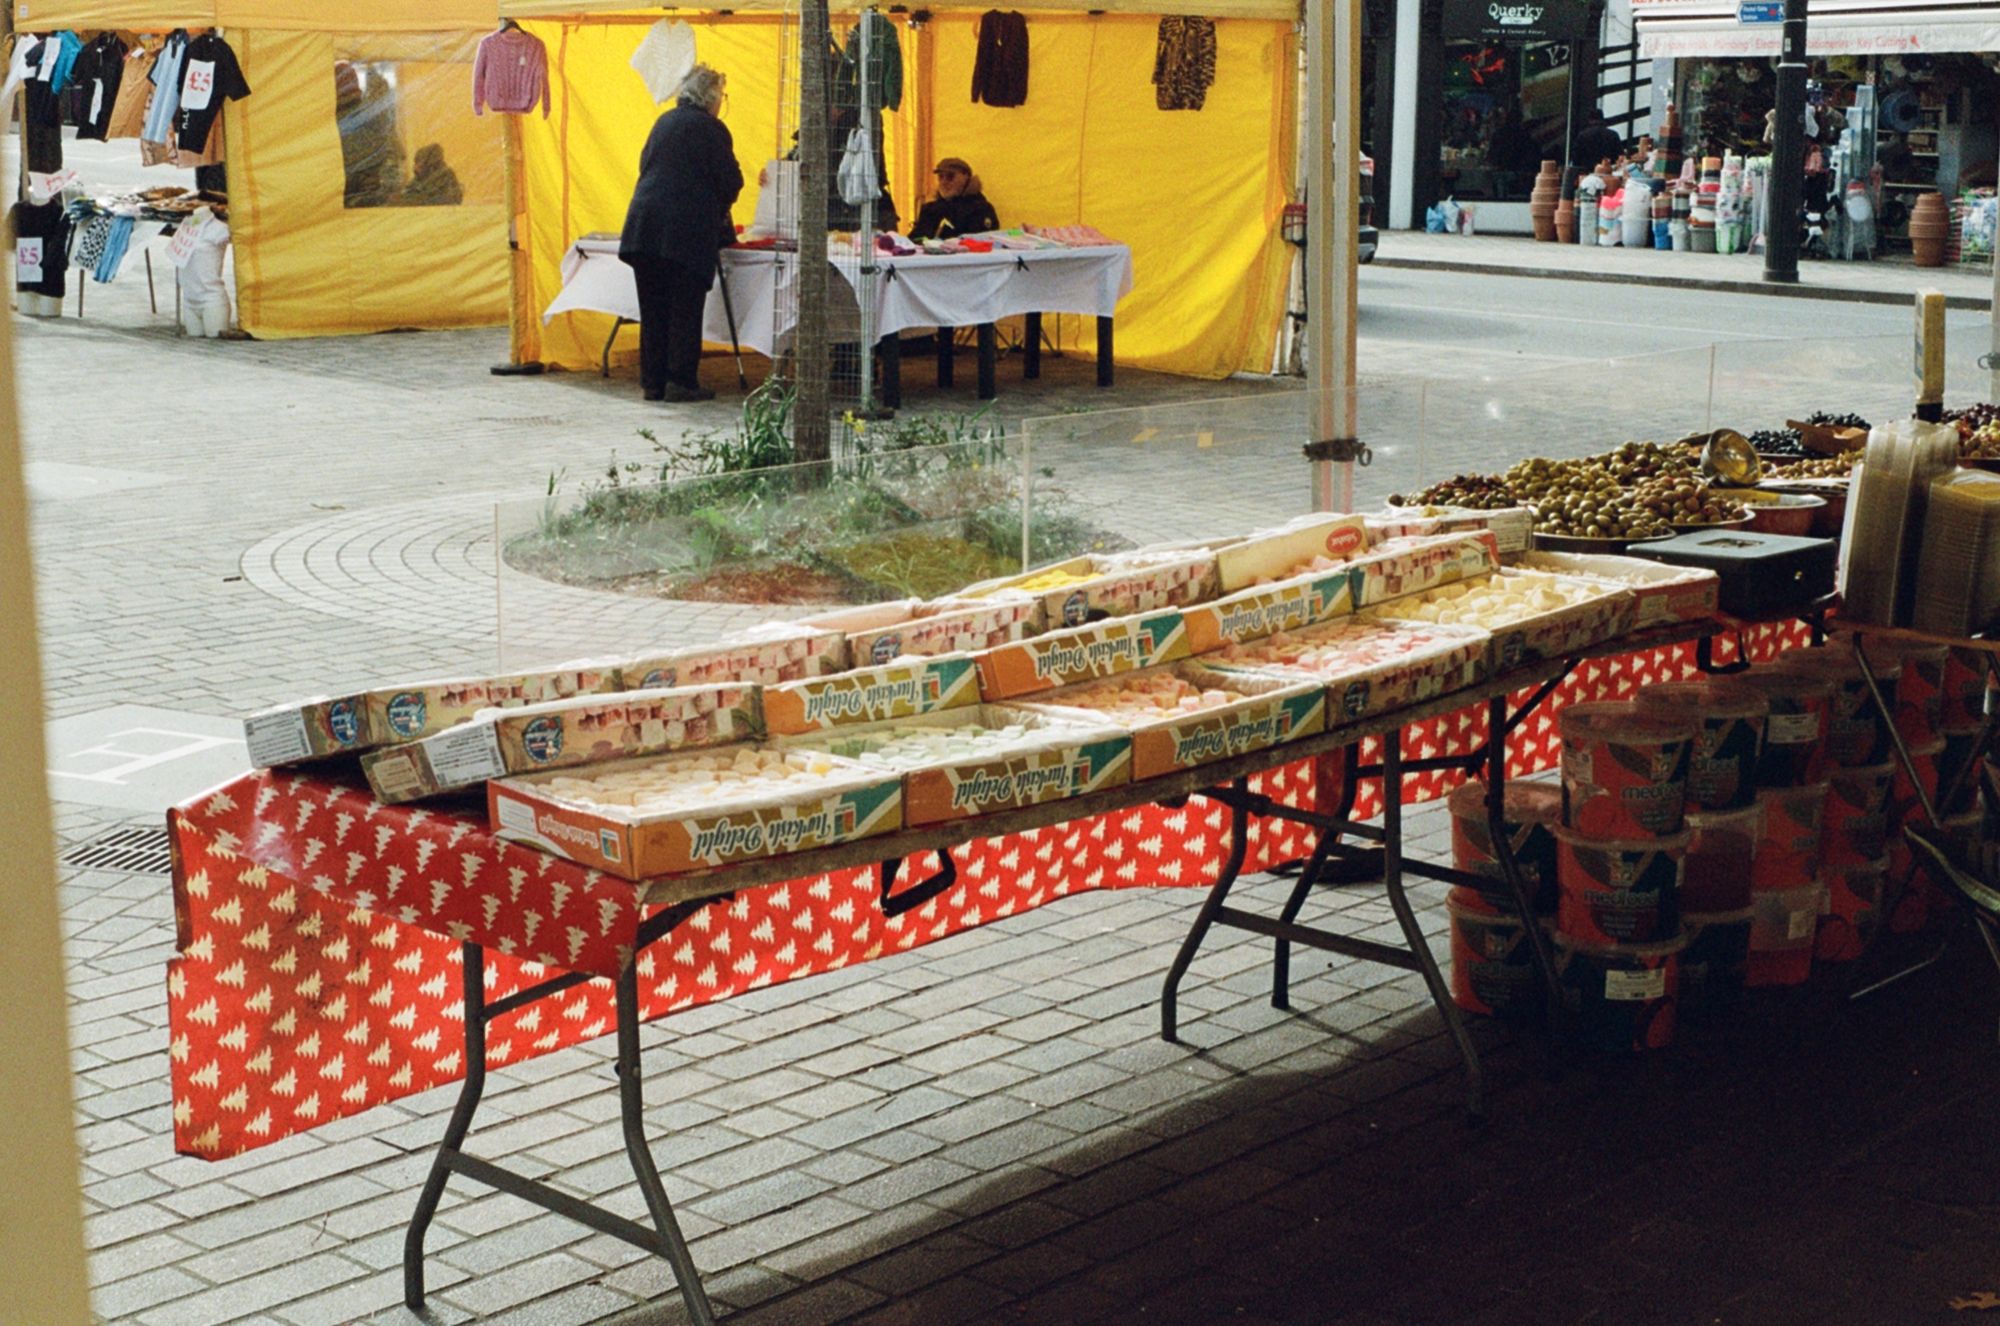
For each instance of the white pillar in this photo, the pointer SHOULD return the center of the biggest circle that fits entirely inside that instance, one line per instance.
(1333, 106)
(1403, 209)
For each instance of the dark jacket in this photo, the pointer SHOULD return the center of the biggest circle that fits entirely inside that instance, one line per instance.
(688, 178)
(947, 218)
(1000, 62)
(1595, 144)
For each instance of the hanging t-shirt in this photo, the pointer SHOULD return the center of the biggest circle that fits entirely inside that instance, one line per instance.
(166, 80)
(41, 248)
(43, 105)
(210, 77)
(99, 72)
(128, 114)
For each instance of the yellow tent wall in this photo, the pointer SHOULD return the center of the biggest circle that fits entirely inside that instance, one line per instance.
(1197, 194)
(306, 264)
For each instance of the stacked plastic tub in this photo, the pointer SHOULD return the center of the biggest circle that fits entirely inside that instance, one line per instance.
(1619, 857)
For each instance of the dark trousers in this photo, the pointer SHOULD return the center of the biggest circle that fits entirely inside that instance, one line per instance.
(670, 301)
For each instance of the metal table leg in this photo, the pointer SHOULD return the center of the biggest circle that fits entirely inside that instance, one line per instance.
(1281, 948)
(1392, 882)
(989, 358)
(1104, 348)
(664, 1238)
(1239, 846)
(604, 360)
(1031, 364)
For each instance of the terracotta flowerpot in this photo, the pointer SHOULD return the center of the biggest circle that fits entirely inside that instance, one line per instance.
(1565, 221)
(1930, 229)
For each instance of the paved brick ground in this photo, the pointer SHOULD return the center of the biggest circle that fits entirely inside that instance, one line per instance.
(984, 1130)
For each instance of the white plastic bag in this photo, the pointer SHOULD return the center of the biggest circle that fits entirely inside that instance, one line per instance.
(857, 177)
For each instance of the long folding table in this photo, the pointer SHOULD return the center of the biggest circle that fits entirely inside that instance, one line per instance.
(1227, 782)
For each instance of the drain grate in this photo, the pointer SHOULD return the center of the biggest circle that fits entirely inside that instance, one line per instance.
(134, 850)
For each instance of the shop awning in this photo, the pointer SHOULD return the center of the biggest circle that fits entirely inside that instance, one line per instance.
(1676, 29)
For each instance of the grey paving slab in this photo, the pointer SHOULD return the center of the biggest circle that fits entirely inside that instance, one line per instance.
(140, 758)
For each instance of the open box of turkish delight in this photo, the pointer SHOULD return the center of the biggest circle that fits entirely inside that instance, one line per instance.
(960, 762)
(1663, 594)
(693, 810)
(871, 695)
(881, 632)
(1369, 666)
(1394, 568)
(1102, 649)
(1531, 615)
(1096, 586)
(393, 714)
(1185, 714)
(587, 730)
(1511, 527)
(767, 654)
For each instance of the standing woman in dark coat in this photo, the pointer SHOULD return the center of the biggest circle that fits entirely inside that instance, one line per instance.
(679, 218)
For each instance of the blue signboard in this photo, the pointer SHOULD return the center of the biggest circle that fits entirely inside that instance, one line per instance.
(1760, 11)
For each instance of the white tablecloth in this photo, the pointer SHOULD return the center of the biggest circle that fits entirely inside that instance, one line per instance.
(946, 290)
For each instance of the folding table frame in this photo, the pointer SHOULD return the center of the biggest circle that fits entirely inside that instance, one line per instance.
(1226, 781)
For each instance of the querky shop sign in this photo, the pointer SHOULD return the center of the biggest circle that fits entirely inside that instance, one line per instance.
(1516, 20)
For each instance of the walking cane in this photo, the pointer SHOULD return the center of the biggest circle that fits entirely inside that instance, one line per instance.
(729, 312)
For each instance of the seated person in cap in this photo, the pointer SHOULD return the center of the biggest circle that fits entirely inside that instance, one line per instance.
(959, 207)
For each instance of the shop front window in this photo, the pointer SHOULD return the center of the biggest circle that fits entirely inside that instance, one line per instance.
(408, 137)
(1506, 110)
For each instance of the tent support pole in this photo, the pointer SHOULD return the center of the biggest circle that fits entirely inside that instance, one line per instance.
(1333, 178)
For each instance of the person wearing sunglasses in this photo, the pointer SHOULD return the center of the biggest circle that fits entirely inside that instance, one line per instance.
(958, 208)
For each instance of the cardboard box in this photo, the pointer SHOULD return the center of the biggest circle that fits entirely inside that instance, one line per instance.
(1512, 527)
(886, 631)
(1060, 658)
(1383, 665)
(309, 730)
(1398, 567)
(1252, 614)
(1278, 710)
(871, 695)
(643, 844)
(410, 713)
(1056, 760)
(1093, 588)
(1662, 594)
(588, 730)
(1606, 614)
(767, 654)
(1283, 553)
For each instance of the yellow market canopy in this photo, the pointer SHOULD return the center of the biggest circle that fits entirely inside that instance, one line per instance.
(315, 253)
(1197, 194)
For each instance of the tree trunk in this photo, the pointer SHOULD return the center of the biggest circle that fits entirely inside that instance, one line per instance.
(811, 361)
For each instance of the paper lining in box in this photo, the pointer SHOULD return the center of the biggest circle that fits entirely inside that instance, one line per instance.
(1090, 588)
(1286, 553)
(310, 730)
(871, 695)
(1276, 710)
(1399, 567)
(1254, 613)
(767, 654)
(412, 712)
(1368, 666)
(885, 631)
(1055, 759)
(1662, 594)
(565, 733)
(1604, 613)
(546, 810)
(1102, 649)
(1512, 527)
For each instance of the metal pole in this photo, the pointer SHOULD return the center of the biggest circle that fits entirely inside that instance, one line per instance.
(865, 237)
(1993, 316)
(1781, 217)
(1333, 179)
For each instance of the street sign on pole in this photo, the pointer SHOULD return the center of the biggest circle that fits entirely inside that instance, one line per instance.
(1760, 11)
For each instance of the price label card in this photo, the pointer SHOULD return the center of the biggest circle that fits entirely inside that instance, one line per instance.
(28, 260)
(199, 86)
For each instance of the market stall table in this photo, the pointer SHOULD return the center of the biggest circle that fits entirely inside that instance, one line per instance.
(925, 290)
(319, 927)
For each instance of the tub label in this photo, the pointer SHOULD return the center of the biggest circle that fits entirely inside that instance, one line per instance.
(1800, 924)
(1792, 729)
(1578, 765)
(1635, 986)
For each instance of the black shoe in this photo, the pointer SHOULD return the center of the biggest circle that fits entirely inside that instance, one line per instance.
(656, 395)
(679, 395)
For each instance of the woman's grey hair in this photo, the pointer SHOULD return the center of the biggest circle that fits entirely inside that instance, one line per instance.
(702, 87)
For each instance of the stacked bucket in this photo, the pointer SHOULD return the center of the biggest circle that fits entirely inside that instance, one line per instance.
(1721, 833)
